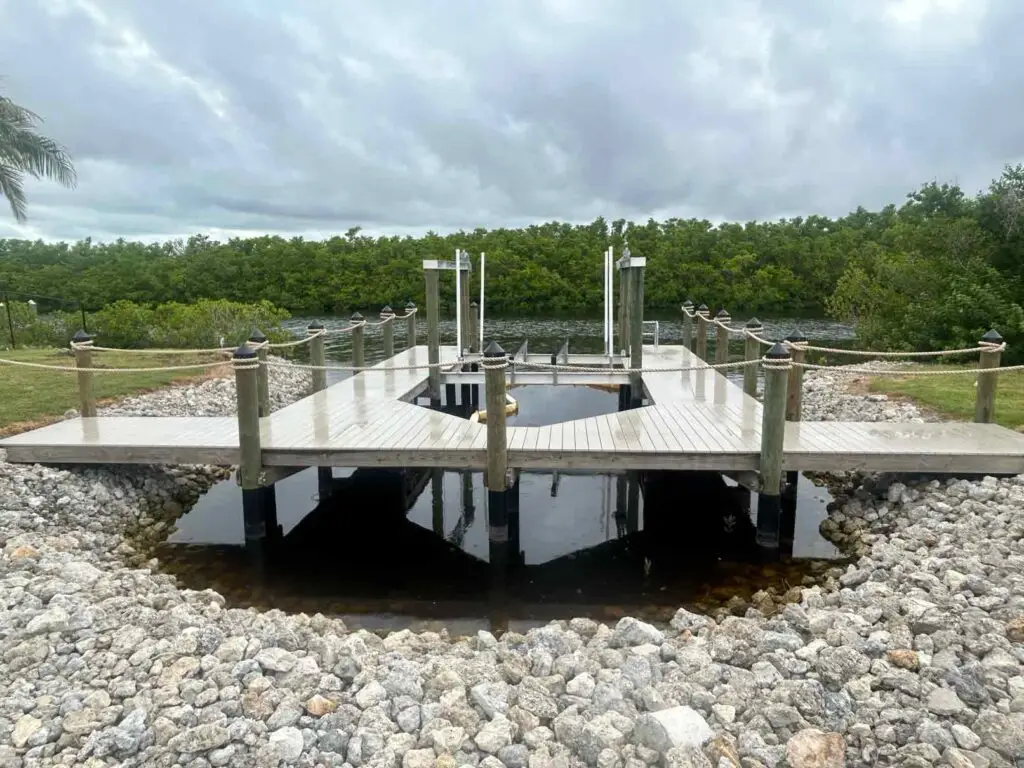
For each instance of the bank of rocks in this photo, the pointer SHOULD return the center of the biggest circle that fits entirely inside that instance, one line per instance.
(911, 656)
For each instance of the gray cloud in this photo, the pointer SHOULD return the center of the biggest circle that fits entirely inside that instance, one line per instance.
(400, 116)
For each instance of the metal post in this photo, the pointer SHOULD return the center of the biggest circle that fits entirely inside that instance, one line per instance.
(751, 351)
(494, 364)
(722, 337)
(256, 499)
(410, 325)
(776, 365)
(688, 324)
(357, 341)
(258, 341)
(432, 276)
(318, 359)
(387, 331)
(985, 399)
(702, 332)
(81, 342)
(636, 334)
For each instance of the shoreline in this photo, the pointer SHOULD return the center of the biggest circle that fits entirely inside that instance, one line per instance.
(912, 655)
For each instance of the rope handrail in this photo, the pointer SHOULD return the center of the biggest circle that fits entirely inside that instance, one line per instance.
(346, 329)
(201, 351)
(76, 369)
(981, 347)
(854, 370)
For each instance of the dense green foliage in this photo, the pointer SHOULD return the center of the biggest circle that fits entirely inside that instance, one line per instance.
(935, 272)
(129, 325)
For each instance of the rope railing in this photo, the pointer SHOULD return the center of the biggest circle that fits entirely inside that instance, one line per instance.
(93, 369)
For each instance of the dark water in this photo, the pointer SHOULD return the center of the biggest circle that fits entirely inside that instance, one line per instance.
(390, 549)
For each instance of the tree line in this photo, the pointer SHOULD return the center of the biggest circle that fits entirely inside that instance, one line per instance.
(939, 269)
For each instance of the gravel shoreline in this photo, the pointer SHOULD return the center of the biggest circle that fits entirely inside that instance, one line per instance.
(911, 656)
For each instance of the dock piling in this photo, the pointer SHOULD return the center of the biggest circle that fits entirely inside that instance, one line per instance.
(776, 365)
(635, 267)
(410, 325)
(722, 337)
(751, 351)
(625, 297)
(258, 505)
(318, 358)
(494, 364)
(433, 280)
(387, 331)
(795, 389)
(985, 397)
(688, 324)
(82, 344)
(258, 341)
(357, 341)
(702, 332)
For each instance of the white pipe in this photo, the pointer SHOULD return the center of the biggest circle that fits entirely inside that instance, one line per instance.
(611, 300)
(458, 301)
(483, 259)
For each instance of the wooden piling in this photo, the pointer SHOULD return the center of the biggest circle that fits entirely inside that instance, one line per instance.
(795, 387)
(82, 346)
(357, 341)
(494, 364)
(722, 337)
(751, 351)
(432, 276)
(625, 297)
(258, 341)
(985, 397)
(636, 329)
(776, 365)
(702, 332)
(467, 345)
(474, 326)
(387, 331)
(257, 499)
(688, 324)
(410, 325)
(318, 359)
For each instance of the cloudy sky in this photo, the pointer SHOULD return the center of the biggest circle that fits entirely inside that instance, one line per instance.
(312, 116)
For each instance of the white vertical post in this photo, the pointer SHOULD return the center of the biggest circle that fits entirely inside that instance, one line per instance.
(611, 301)
(458, 301)
(483, 259)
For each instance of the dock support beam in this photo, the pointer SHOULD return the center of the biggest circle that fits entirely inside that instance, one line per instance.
(82, 344)
(494, 364)
(688, 324)
(702, 332)
(317, 358)
(258, 341)
(751, 351)
(776, 365)
(433, 280)
(410, 325)
(722, 337)
(985, 398)
(795, 391)
(358, 359)
(387, 331)
(259, 508)
(635, 267)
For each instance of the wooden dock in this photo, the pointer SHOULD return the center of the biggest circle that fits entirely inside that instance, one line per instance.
(696, 420)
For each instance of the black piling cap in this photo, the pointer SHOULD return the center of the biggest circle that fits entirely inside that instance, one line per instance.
(753, 323)
(688, 304)
(797, 336)
(493, 349)
(779, 351)
(474, 304)
(387, 310)
(992, 337)
(722, 313)
(356, 317)
(81, 337)
(244, 352)
(316, 325)
(257, 336)
(410, 305)
(702, 308)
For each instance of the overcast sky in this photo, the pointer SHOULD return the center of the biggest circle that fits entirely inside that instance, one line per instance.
(312, 116)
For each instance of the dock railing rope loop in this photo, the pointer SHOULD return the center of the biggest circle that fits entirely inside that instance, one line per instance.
(75, 369)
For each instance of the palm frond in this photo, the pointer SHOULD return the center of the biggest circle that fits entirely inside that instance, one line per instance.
(10, 187)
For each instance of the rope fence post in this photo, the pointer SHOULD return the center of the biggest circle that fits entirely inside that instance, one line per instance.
(410, 325)
(431, 274)
(81, 342)
(636, 266)
(318, 358)
(985, 397)
(494, 363)
(688, 324)
(474, 326)
(357, 341)
(702, 332)
(258, 341)
(722, 320)
(751, 351)
(776, 364)
(387, 331)
(797, 344)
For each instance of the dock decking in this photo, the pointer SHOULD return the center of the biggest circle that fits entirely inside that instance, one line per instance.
(697, 420)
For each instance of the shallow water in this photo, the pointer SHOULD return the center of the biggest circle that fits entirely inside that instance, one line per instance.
(385, 561)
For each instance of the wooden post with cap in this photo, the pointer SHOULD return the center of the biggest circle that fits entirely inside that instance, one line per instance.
(722, 337)
(635, 266)
(81, 343)
(751, 352)
(387, 331)
(258, 341)
(494, 365)
(318, 359)
(432, 276)
(797, 344)
(776, 364)
(702, 332)
(687, 308)
(985, 397)
(357, 341)
(410, 325)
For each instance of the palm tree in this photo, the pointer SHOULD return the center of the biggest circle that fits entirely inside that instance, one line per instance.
(23, 150)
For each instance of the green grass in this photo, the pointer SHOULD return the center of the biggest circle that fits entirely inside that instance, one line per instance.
(31, 397)
(953, 396)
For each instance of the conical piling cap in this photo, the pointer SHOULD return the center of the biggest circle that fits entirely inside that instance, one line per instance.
(493, 349)
(753, 323)
(687, 304)
(244, 352)
(387, 311)
(992, 337)
(257, 336)
(722, 314)
(356, 317)
(81, 336)
(797, 336)
(316, 325)
(779, 351)
(703, 308)
(410, 305)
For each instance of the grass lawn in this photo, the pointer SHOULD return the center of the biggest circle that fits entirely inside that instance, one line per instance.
(953, 396)
(31, 397)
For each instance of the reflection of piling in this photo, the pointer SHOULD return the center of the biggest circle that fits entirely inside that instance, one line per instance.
(632, 501)
(437, 500)
(620, 504)
(776, 366)
(514, 541)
